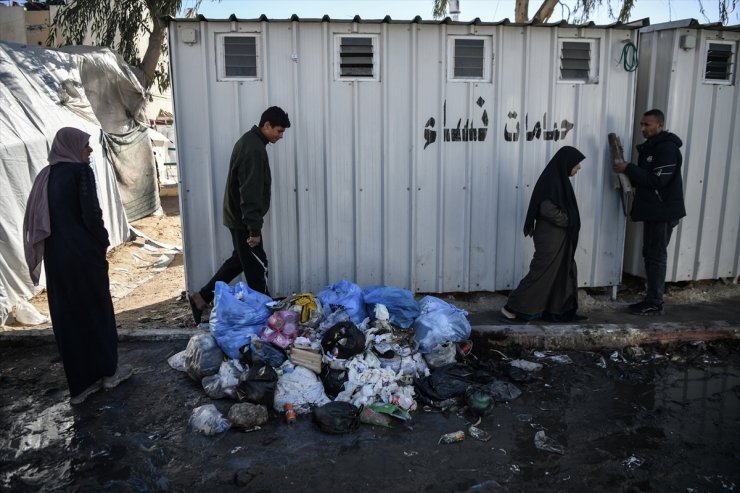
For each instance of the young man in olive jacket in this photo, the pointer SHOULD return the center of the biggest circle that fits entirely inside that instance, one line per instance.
(658, 203)
(246, 201)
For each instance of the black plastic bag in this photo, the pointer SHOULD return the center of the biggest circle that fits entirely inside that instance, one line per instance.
(258, 384)
(343, 340)
(337, 417)
(446, 382)
(333, 381)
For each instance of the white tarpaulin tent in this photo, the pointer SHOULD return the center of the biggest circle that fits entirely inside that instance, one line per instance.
(40, 92)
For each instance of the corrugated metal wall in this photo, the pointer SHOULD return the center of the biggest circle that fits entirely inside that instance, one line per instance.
(707, 118)
(359, 189)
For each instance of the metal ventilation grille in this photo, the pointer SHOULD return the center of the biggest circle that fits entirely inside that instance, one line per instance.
(356, 57)
(575, 60)
(719, 62)
(469, 55)
(240, 56)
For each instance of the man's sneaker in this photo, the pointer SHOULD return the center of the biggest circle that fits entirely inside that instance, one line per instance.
(123, 372)
(507, 314)
(645, 308)
(80, 398)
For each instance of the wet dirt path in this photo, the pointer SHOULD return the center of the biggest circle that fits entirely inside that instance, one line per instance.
(637, 423)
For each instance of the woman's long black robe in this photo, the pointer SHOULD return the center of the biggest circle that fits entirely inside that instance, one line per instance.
(77, 277)
(550, 288)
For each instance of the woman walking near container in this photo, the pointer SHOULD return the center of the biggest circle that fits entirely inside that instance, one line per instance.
(550, 288)
(64, 227)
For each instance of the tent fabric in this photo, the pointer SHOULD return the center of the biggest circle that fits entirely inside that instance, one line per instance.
(114, 88)
(132, 157)
(40, 92)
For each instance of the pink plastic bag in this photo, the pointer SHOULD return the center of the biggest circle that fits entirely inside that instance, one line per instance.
(282, 328)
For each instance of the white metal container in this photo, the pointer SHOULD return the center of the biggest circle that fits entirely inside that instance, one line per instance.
(702, 107)
(413, 175)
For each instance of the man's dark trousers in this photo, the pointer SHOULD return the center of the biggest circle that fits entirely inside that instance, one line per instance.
(251, 261)
(656, 236)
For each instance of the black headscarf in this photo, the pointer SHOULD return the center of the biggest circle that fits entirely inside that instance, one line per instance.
(554, 185)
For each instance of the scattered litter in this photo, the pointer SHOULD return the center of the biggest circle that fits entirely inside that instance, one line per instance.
(207, 420)
(615, 356)
(601, 363)
(27, 314)
(632, 462)
(411, 453)
(558, 358)
(372, 417)
(514, 468)
(177, 361)
(526, 365)
(561, 358)
(543, 442)
(457, 436)
(478, 433)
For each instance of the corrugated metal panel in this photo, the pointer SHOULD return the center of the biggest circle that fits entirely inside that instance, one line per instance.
(360, 190)
(705, 116)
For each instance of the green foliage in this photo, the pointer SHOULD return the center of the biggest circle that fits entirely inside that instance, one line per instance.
(582, 9)
(119, 24)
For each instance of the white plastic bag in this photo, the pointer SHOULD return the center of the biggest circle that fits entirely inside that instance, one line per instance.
(302, 388)
(177, 361)
(207, 420)
(202, 356)
(27, 314)
(223, 384)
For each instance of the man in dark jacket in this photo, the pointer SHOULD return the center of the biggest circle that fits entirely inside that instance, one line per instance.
(658, 203)
(246, 201)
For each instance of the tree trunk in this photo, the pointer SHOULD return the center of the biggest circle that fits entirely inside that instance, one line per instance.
(153, 50)
(521, 12)
(545, 11)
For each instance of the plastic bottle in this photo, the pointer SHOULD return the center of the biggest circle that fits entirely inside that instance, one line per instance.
(289, 413)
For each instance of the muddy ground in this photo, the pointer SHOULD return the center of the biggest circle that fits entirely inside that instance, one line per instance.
(665, 420)
(668, 420)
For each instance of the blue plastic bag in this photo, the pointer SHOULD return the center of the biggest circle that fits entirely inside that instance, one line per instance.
(347, 295)
(239, 312)
(440, 322)
(400, 303)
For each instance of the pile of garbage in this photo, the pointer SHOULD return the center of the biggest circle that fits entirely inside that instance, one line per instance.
(345, 355)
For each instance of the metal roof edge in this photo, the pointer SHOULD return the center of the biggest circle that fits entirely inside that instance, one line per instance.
(689, 23)
(638, 24)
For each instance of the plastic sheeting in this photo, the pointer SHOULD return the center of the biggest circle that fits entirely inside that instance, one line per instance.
(132, 158)
(40, 92)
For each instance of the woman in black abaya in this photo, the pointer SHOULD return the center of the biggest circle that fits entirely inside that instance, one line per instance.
(550, 288)
(64, 227)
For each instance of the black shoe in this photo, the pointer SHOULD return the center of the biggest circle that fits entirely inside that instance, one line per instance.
(644, 308)
(197, 312)
(579, 318)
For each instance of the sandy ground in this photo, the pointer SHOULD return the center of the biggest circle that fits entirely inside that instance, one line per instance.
(144, 294)
(147, 296)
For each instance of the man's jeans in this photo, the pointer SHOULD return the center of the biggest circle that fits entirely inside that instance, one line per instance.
(655, 239)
